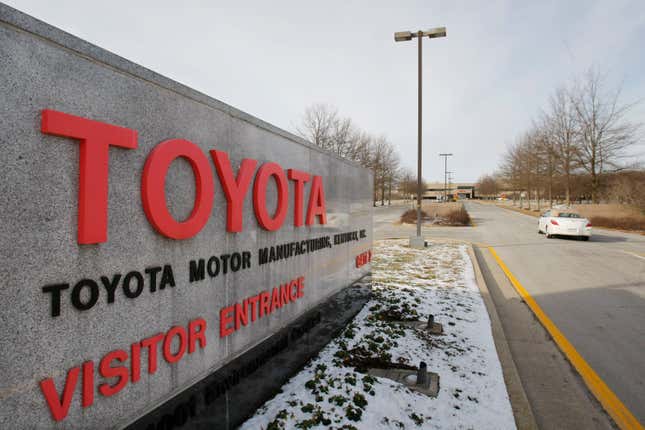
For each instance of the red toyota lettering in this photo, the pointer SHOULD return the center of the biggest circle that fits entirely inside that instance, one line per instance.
(95, 139)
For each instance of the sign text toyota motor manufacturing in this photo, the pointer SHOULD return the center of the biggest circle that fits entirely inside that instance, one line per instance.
(150, 235)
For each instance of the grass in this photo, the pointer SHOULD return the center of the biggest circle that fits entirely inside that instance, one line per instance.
(410, 216)
(623, 223)
(623, 217)
(435, 209)
(617, 216)
(449, 214)
(458, 217)
(609, 211)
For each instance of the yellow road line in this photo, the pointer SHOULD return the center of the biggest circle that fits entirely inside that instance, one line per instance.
(612, 404)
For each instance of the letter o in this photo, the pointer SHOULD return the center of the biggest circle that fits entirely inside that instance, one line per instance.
(126, 285)
(267, 221)
(153, 185)
(76, 294)
(236, 261)
(167, 353)
(212, 267)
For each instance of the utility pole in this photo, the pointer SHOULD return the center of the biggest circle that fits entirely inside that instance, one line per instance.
(445, 174)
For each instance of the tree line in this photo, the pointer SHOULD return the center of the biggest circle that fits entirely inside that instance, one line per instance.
(578, 147)
(325, 127)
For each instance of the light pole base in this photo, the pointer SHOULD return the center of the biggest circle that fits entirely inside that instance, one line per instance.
(417, 242)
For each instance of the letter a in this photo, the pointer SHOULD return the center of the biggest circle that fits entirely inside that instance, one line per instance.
(316, 207)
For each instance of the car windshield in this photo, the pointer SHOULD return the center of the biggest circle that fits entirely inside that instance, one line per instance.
(568, 215)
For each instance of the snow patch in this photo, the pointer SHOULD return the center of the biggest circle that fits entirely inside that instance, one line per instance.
(332, 391)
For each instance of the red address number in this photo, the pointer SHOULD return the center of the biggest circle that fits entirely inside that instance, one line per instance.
(363, 258)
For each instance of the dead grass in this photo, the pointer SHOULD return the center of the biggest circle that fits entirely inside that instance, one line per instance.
(440, 209)
(410, 216)
(448, 214)
(622, 223)
(608, 211)
(458, 217)
(617, 216)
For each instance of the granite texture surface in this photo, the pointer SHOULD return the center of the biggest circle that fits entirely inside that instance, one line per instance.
(230, 395)
(44, 68)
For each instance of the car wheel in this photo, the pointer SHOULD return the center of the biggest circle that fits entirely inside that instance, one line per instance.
(585, 238)
(546, 232)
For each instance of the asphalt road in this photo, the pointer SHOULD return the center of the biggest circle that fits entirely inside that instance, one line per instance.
(593, 291)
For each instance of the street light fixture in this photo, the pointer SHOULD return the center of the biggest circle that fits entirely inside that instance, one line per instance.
(402, 36)
(445, 175)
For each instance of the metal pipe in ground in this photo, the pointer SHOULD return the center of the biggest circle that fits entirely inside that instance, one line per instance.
(430, 321)
(422, 374)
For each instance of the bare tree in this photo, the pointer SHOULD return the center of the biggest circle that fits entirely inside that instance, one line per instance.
(562, 128)
(527, 164)
(545, 154)
(324, 127)
(511, 169)
(577, 148)
(390, 171)
(364, 142)
(380, 156)
(407, 182)
(317, 125)
(602, 126)
(627, 187)
(487, 186)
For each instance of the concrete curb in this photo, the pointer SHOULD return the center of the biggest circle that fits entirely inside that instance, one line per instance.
(524, 418)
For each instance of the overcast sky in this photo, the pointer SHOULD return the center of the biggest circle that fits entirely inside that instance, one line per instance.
(483, 84)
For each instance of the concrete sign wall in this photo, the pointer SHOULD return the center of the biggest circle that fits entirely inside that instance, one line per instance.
(148, 233)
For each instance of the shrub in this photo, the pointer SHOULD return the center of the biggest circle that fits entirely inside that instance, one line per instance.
(443, 214)
(458, 217)
(410, 216)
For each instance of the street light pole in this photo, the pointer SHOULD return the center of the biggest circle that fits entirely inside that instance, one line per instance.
(445, 175)
(419, 133)
(401, 36)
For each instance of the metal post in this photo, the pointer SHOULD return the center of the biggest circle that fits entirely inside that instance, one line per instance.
(422, 374)
(445, 178)
(402, 36)
(419, 180)
(445, 175)
(430, 321)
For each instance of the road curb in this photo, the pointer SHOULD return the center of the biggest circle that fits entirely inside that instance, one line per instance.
(524, 418)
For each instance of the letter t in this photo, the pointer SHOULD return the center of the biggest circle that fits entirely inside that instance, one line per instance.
(95, 139)
(299, 178)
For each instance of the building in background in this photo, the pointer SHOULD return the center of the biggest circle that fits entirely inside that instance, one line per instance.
(455, 191)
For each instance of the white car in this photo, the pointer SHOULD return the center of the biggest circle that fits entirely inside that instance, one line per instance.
(558, 222)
